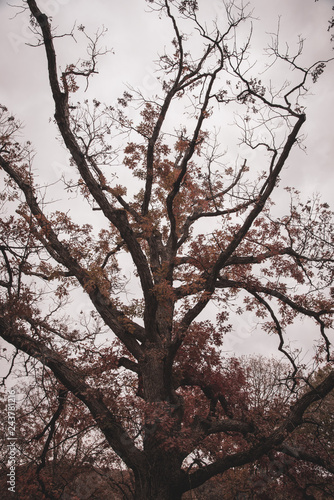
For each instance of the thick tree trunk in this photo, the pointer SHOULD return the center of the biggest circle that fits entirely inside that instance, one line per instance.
(159, 481)
(160, 478)
(156, 377)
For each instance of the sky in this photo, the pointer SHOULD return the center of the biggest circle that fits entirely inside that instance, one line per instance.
(135, 37)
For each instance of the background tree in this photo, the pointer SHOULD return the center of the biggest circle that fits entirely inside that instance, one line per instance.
(194, 229)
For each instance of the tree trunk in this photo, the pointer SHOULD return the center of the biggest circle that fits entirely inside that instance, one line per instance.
(160, 477)
(160, 481)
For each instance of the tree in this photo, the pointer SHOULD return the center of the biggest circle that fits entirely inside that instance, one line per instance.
(149, 372)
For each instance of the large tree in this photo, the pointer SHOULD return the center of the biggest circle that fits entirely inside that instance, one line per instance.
(193, 228)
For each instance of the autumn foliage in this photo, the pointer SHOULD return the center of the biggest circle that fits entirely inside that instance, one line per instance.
(134, 385)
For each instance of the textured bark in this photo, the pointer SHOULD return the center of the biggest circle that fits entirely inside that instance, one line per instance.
(161, 480)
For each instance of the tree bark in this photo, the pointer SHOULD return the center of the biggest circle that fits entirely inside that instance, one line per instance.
(161, 481)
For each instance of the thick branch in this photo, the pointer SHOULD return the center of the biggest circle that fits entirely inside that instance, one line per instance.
(117, 217)
(114, 319)
(74, 381)
(266, 191)
(226, 425)
(301, 454)
(211, 392)
(276, 438)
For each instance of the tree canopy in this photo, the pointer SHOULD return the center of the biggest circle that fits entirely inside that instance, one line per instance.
(138, 379)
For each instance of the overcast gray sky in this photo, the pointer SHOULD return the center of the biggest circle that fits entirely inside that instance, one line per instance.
(135, 37)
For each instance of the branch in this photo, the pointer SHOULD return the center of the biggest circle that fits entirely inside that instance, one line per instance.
(52, 425)
(212, 393)
(7, 284)
(225, 283)
(256, 259)
(268, 187)
(117, 217)
(278, 327)
(226, 425)
(172, 239)
(201, 215)
(160, 120)
(301, 454)
(189, 79)
(116, 320)
(73, 380)
(258, 288)
(293, 420)
(266, 191)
